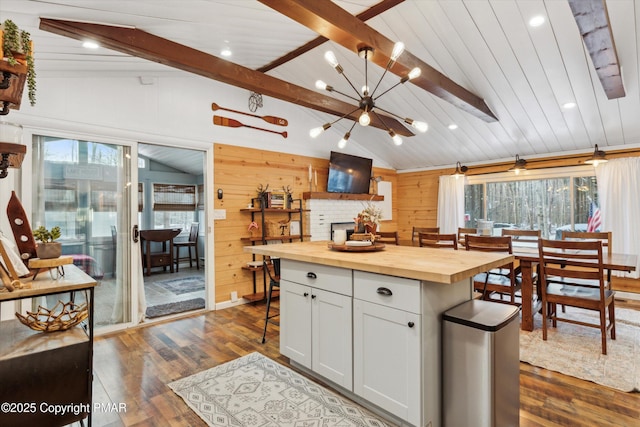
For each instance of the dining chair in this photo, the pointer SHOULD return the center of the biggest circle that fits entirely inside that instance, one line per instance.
(191, 243)
(526, 236)
(503, 280)
(572, 274)
(603, 236)
(390, 237)
(522, 235)
(462, 233)
(272, 267)
(417, 230)
(437, 240)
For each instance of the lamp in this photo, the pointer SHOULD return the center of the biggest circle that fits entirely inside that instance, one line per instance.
(366, 99)
(11, 150)
(597, 157)
(519, 165)
(460, 170)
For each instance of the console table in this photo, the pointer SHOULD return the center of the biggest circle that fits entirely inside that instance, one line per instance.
(42, 369)
(158, 259)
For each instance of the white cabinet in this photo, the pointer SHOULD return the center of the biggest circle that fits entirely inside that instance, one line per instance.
(316, 319)
(387, 331)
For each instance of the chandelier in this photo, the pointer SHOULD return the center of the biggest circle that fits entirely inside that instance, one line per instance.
(367, 99)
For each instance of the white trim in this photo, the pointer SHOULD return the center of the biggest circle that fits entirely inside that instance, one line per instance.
(229, 303)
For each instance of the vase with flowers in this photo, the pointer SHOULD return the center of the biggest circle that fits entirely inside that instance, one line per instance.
(368, 219)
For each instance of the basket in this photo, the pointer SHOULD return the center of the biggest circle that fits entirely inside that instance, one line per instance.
(60, 318)
(276, 228)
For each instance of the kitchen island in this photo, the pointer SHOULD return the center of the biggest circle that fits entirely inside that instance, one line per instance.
(369, 323)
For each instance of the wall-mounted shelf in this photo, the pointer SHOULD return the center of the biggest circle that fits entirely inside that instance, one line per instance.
(341, 196)
(262, 238)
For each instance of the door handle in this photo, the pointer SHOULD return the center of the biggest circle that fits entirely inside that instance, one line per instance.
(135, 234)
(384, 291)
(411, 324)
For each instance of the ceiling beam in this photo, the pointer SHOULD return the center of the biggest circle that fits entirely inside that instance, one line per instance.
(593, 22)
(372, 12)
(331, 21)
(138, 43)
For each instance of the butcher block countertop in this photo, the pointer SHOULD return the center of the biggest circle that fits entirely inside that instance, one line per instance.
(427, 264)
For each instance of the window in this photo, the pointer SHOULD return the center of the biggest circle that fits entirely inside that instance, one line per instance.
(549, 200)
(174, 205)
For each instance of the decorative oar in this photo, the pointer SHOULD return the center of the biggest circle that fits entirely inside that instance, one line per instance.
(225, 121)
(269, 119)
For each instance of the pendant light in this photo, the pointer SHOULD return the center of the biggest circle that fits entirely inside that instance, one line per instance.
(597, 157)
(519, 165)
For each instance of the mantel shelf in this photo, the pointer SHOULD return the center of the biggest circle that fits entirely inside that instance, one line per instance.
(341, 196)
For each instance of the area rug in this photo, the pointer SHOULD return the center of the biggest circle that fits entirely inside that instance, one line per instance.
(175, 307)
(576, 350)
(253, 390)
(183, 285)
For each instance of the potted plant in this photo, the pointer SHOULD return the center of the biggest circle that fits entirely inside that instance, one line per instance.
(47, 248)
(368, 219)
(17, 52)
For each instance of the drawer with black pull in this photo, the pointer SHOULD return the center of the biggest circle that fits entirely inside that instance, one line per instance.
(332, 279)
(390, 291)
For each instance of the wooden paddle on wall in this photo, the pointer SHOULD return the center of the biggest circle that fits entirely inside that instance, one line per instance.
(269, 119)
(225, 121)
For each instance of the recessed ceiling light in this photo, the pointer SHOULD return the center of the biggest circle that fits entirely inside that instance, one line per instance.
(90, 44)
(225, 52)
(536, 21)
(568, 105)
(453, 126)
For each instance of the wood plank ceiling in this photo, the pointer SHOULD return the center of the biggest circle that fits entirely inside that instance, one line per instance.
(523, 74)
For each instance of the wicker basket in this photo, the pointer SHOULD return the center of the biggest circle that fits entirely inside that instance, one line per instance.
(276, 228)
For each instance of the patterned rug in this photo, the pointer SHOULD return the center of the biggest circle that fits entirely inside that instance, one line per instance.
(175, 307)
(183, 285)
(256, 391)
(576, 350)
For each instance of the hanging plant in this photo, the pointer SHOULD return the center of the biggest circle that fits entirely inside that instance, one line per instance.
(18, 43)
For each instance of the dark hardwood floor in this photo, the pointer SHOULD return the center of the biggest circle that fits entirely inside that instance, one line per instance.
(133, 367)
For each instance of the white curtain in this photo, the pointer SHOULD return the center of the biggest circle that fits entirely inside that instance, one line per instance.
(450, 204)
(619, 199)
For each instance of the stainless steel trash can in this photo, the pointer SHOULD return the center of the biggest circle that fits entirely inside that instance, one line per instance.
(481, 356)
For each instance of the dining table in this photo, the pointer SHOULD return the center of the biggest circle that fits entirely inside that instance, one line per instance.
(528, 256)
(526, 253)
(162, 259)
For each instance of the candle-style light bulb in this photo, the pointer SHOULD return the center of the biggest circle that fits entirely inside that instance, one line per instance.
(364, 119)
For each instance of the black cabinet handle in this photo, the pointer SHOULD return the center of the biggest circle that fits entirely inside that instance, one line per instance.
(306, 294)
(410, 324)
(384, 291)
(312, 275)
(313, 296)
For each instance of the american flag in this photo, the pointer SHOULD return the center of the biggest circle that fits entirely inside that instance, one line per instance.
(594, 221)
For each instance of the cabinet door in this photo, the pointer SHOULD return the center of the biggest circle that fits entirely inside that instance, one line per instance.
(387, 368)
(295, 322)
(332, 337)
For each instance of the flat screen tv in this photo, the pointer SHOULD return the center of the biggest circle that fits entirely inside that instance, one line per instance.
(349, 174)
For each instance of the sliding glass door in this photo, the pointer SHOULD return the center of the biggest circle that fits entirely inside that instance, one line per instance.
(85, 188)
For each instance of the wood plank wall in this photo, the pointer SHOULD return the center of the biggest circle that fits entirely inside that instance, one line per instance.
(238, 171)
